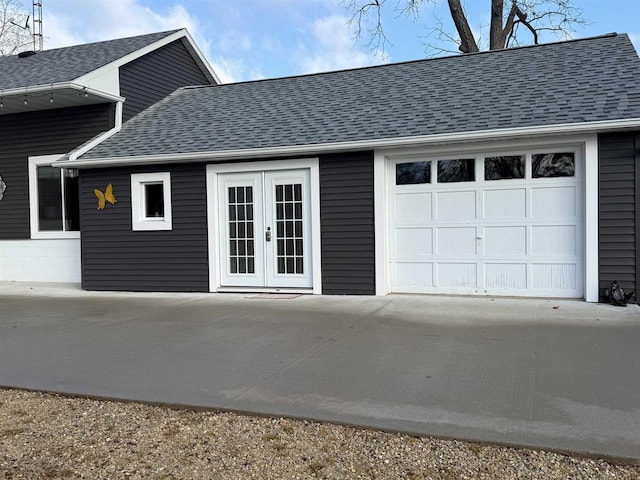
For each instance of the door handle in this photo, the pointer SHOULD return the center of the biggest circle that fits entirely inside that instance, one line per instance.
(267, 235)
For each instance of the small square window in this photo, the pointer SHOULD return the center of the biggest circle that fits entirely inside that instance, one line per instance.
(452, 171)
(413, 173)
(151, 201)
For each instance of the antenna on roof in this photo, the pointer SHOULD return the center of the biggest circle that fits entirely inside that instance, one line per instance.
(38, 39)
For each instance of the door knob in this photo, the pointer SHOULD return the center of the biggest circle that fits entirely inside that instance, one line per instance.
(267, 234)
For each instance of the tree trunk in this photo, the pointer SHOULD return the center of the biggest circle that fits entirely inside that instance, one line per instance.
(496, 33)
(467, 41)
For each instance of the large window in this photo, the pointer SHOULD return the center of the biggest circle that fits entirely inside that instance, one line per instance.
(55, 210)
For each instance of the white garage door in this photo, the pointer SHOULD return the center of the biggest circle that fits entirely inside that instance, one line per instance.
(507, 224)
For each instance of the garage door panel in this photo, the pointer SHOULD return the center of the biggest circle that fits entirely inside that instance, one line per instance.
(457, 275)
(554, 277)
(506, 276)
(456, 241)
(412, 207)
(553, 240)
(554, 202)
(507, 240)
(412, 277)
(456, 206)
(506, 236)
(413, 242)
(505, 204)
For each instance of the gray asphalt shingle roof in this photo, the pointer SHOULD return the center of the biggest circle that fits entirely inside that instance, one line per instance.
(569, 82)
(68, 63)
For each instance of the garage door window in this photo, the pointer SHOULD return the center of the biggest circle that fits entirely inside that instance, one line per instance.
(547, 165)
(504, 168)
(413, 173)
(451, 171)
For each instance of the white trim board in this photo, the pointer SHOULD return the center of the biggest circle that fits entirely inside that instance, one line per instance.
(421, 141)
(213, 221)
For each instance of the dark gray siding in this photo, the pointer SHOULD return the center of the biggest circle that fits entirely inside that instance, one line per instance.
(39, 133)
(347, 219)
(152, 77)
(116, 258)
(618, 209)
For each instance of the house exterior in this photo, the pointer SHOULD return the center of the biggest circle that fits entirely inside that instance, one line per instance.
(63, 101)
(511, 172)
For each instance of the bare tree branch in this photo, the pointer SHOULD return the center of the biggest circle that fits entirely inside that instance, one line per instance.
(14, 32)
(556, 17)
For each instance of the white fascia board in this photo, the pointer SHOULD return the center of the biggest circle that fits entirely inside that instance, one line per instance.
(315, 149)
(201, 56)
(52, 87)
(116, 64)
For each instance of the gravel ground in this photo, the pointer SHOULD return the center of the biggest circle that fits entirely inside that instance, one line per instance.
(46, 436)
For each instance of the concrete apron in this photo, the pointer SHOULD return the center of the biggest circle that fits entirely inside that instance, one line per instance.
(552, 374)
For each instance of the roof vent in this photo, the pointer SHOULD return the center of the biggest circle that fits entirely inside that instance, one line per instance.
(26, 54)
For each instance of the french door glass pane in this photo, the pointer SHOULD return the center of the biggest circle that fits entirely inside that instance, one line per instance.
(289, 233)
(241, 243)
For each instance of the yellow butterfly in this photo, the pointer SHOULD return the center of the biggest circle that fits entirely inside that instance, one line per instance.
(106, 196)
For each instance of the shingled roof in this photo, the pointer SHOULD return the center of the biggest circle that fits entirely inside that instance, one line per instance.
(68, 63)
(589, 80)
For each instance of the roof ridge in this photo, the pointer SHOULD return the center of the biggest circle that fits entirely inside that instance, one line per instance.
(420, 60)
(162, 34)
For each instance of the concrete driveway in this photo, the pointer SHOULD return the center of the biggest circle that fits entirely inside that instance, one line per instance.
(554, 374)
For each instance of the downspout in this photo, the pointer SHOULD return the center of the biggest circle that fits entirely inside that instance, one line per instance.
(94, 142)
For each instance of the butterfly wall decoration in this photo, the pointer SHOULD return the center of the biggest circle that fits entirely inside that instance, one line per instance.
(3, 188)
(107, 196)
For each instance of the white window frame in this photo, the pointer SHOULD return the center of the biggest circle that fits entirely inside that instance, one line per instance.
(34, 163)
(139, 221)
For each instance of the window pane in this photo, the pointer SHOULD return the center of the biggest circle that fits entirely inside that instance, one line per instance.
(413, 173)
(71, 202)
(553, 165)
(49, 199)
(154, 200)
(503, 168)
(450, 171)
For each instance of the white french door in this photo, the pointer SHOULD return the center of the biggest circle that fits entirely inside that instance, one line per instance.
(265, 229)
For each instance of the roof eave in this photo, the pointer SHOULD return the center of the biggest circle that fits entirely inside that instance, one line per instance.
(316, 149)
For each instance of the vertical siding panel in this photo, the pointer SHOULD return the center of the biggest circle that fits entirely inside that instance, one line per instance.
(117, 258)
(347, 224)
(618, 210)
(152, 77)
(23, 135)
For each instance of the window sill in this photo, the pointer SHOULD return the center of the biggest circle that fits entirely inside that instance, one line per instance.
(54, 235)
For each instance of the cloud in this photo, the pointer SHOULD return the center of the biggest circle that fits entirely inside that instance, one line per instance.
(333, 48)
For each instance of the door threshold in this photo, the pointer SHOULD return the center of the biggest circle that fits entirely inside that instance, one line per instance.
(263, 290)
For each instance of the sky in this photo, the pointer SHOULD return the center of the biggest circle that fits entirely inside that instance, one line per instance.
(255, 39)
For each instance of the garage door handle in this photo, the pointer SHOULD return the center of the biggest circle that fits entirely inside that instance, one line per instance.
(478, 238)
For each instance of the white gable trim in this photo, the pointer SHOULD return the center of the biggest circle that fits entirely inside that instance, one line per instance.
(105, 75)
